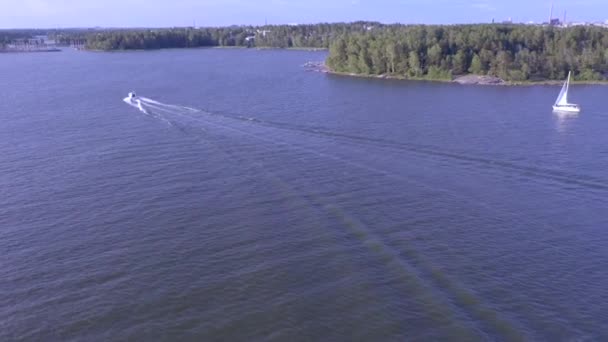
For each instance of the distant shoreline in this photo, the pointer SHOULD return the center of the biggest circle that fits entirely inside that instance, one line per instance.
(266, 48)
(30, 51)
(291, 48)
(210, 48)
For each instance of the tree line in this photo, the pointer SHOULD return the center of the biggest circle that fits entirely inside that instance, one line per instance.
(511, 52)
(278, 36)
(11, 36)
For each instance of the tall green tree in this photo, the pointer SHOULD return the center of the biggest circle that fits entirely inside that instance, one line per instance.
(459, 64)
(476, 66)
(415, 68)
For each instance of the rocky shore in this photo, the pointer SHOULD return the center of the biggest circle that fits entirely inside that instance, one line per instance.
(478, 79)
(316, 67)
(464, 80)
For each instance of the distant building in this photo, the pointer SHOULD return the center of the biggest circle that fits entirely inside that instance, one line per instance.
(36, 44)
(263, 32)
(555, 22)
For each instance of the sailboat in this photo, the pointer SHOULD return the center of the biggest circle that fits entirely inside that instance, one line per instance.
(561, 104)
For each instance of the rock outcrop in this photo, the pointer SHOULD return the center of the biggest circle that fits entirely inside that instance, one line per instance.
(316, 66)
(478, 79)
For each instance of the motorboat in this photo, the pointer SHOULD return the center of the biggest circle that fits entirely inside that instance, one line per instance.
(132, 96)
(561, 104)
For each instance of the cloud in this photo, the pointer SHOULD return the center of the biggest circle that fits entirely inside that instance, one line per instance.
(484, 6)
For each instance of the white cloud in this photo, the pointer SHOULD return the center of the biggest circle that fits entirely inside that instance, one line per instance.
(484, 6)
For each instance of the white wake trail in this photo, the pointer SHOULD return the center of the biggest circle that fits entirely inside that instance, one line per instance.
(149, 101)
(139, 104)
(164, 108)
(136, 104)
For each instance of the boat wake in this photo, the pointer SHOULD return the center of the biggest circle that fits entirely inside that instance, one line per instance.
(136, 104)
(186, 118)
(158, 110)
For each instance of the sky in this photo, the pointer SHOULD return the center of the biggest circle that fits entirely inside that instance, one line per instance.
(165, 13)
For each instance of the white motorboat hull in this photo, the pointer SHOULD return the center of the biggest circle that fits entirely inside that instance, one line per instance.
(567, 109)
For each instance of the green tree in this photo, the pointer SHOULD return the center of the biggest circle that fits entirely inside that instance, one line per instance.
(415, 69)
(434, 55)
(476, 66)
(459, 64)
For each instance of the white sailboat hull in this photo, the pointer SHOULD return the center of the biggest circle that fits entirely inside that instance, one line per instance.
(567, 108)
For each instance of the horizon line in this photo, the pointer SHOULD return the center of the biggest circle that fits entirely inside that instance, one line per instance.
(504, 22)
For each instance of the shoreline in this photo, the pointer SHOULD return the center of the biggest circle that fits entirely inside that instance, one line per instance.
(479, 80)
(210, 47)
(386, 77)
(455, 80)
(30, 51)
(290, 48)
(162, 49)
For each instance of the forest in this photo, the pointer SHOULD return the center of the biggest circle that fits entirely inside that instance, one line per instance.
(512, 52)
(516, 53)
(277, 36)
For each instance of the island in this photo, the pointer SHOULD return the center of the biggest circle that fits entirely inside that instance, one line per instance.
(474, 54)
(493, 54)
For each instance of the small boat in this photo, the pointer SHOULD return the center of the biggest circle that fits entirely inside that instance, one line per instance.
(561, 104)
(132, 96)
